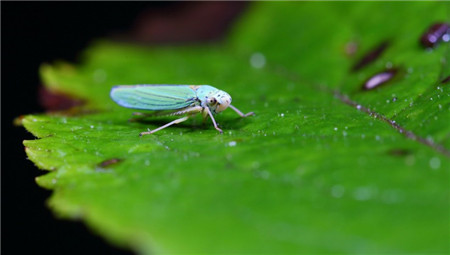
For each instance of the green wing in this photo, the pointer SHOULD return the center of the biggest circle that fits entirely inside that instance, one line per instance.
(154, 97)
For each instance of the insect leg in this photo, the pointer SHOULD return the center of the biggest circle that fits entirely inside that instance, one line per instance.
(213, 120)
(168, 124)
(189, 110)
(142, 116)
(240, 113)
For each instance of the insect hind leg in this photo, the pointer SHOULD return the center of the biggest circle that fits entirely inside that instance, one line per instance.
(142, 115)
(164, 126)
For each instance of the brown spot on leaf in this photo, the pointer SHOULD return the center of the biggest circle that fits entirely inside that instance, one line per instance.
(446, 80)
(109, 162)
(18, 121)
(399, 152)
(436, 33)
(379, 79)
(56, 101)
(351, 48)
(370, 56)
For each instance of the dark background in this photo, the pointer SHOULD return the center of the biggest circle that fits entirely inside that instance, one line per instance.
(33, 33)
(37, 32)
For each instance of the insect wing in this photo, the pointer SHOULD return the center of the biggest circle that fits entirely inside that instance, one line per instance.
(153, 97)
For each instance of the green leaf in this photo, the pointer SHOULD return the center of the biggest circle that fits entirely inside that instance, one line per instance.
(322, 167)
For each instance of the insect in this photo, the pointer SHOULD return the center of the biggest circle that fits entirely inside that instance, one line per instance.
(188, 100)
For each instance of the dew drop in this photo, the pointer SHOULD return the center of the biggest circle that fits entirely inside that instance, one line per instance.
(257, 60)
(232, 143)
(337, 191)
(363, 193)
(335, 129)
(265, 174)
(256, 165)
(390, 196)
(435, 163)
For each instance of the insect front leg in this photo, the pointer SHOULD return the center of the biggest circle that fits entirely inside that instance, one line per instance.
(213, 120)
(240, 113)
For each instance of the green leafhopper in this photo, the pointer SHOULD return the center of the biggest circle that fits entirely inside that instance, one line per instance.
(187, 100)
